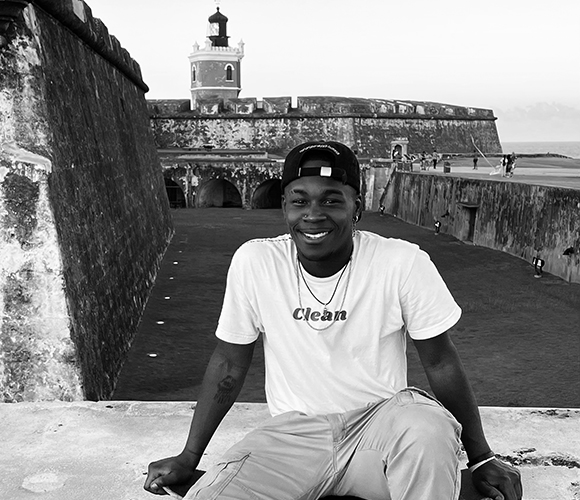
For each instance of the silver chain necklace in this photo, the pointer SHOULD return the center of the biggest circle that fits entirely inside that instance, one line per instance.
(300, 273)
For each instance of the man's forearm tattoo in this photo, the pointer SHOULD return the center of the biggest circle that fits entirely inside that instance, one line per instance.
(225, 389)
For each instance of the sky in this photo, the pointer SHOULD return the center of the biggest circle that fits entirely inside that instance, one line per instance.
(517, 57)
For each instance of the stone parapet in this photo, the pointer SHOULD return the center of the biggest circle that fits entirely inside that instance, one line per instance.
(100, 451)
(523, 220)
(278, 133)
(77, 16)
(242, 106)
(281, 105)
(367, 125)
(329, 106)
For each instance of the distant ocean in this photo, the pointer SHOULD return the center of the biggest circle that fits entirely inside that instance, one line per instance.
(571, 148)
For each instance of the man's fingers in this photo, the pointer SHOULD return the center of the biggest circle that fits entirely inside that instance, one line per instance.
(511, 485)
(149, 479)
(157, 487)
(489, 491)
(507, 490)
(498, 481)
(155, 482)
(152, 487)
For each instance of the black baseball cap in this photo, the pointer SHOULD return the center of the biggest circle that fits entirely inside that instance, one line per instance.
(345, 167)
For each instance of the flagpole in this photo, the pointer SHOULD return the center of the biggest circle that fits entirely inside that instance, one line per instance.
(481, 153)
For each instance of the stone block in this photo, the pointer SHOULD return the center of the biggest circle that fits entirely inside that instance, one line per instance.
(278, 105)
(242, 106)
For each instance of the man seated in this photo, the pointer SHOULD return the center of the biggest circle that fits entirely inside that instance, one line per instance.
(334, 306)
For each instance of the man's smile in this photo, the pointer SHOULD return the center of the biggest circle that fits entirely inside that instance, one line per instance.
(314, 236)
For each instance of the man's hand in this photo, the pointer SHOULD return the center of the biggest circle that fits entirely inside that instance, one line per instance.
(223, 380)
(498, 480)
(170, 471)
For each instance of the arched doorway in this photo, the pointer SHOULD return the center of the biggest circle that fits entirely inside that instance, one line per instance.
(175, 194)
(268, 195)
(399, 148)
(397, 153)
(218, 193)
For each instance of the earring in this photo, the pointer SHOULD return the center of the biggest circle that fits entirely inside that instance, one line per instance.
(355, 219)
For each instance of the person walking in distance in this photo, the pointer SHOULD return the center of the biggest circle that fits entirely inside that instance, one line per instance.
(334, 306)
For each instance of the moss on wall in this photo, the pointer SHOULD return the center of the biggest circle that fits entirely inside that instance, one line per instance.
(368, 136)
(84, 213)
(367, 125)
(521, 219)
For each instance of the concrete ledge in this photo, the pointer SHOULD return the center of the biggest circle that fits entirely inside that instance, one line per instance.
(67, 451)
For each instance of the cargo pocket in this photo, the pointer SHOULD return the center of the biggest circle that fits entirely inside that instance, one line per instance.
(434, 401)
(424, 394)
(217, 478)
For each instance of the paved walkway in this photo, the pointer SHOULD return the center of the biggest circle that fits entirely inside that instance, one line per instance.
(518, 335)
(543, 171)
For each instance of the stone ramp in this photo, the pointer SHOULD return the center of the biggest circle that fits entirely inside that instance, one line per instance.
(100, 451)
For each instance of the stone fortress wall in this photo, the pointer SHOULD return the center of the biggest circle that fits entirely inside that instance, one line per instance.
(523, 220)
(84, 217)
(243, 141)
(367, 125)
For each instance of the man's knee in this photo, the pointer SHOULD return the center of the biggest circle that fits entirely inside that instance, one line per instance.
(424, 420)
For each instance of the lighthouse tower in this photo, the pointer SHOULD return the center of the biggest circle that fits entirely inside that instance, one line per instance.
(215, 67)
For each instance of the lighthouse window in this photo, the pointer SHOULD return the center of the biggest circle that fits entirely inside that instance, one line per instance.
(229, 72)
(193, 74)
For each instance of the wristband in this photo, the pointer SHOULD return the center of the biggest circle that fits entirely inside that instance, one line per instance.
(479, 458)
(479, 464)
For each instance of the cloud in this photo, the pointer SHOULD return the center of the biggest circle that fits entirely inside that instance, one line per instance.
(539, 122)
(541, 111)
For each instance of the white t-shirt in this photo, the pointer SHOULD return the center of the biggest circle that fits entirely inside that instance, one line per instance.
(390, 287)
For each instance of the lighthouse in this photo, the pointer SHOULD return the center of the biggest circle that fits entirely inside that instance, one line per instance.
(215, 67)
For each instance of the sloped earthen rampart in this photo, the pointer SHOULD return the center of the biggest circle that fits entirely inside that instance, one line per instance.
(84, 217)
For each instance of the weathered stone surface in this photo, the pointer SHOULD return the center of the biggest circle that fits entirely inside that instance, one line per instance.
(168, 106)
(277, 104)
(76, 16)
(367, 125)
(84, 218)
(116, 440)
(247, 173)
(521, 219)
